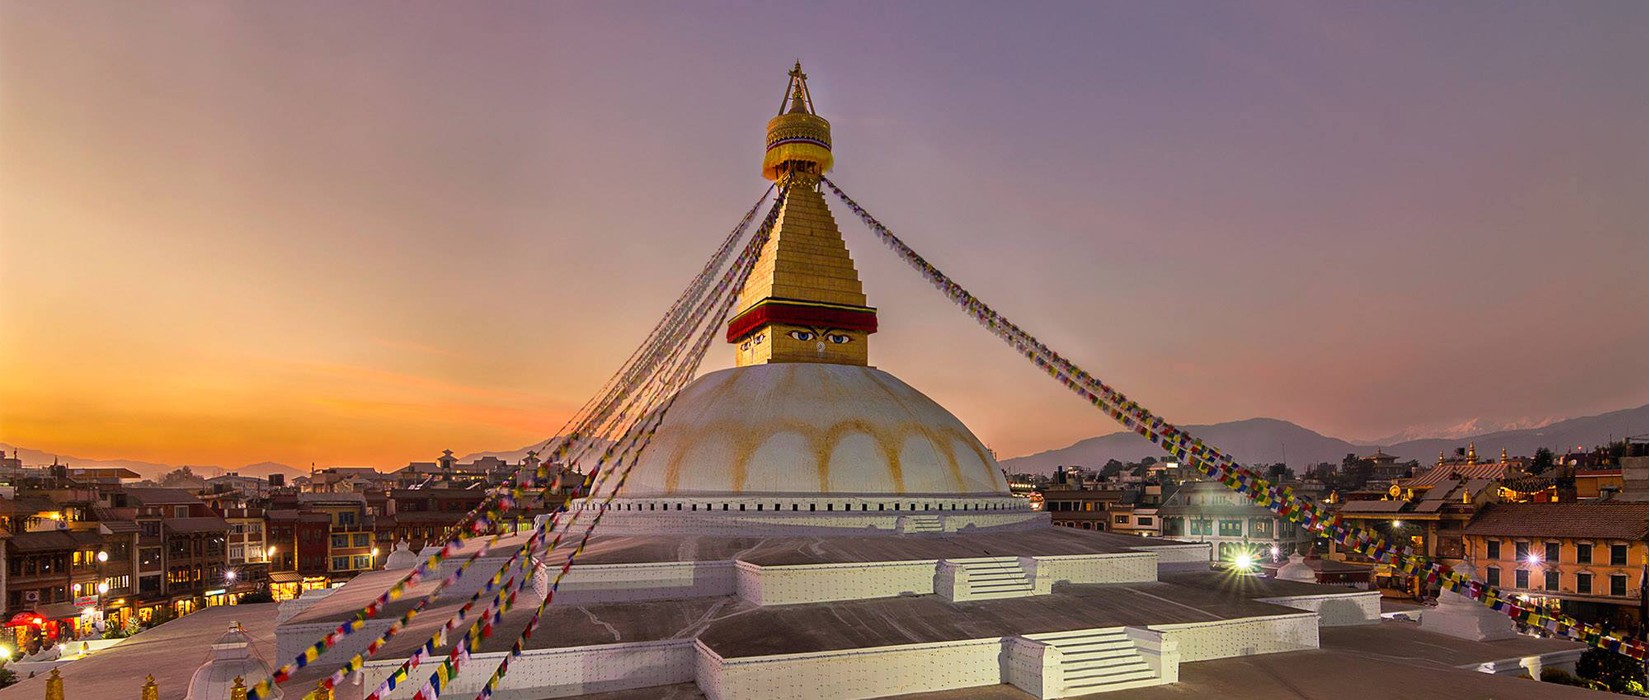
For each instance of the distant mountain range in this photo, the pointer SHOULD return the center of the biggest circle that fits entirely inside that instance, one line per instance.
(1256, 440)
(149, 470)
(1268, 440)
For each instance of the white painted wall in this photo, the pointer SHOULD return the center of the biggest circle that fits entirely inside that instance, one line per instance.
(1203, 641)
(818, 583)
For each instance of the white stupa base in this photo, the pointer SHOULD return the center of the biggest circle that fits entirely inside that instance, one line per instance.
(1468, 621)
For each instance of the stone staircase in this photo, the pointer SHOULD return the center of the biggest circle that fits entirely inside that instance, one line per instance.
(994, 577)
(922, 525)
(1097, 661)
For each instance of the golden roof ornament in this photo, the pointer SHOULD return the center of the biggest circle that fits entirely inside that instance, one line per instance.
(799, 140)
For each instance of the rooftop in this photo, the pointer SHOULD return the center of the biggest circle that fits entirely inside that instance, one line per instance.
(1607, 519)
(171, 652)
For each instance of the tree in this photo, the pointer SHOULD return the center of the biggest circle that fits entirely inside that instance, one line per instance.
(1621, 673)
(1542, 462)
(182, 476)
(1149, 461)
(1280, 472)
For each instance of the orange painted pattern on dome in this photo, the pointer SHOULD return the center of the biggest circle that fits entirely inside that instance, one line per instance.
(713, 433)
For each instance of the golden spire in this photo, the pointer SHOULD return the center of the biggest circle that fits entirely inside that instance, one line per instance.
(803, 301)
(150, 690)
(1472, 453)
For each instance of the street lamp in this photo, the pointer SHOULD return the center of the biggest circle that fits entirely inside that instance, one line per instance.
(230, 576)
(374, 558)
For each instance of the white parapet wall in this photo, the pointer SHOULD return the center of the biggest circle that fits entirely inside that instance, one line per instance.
(1191, 556)
(854, 673)
(622, 583)
(1336, 609)
(556, 673)
(1531, 665)
(1133, 567)
(1032, 666)
(1221, 639)
(1160, 651)
(820, 583)
(292, 639)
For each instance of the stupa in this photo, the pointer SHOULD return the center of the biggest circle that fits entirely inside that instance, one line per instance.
(804, 525)
(803, 435)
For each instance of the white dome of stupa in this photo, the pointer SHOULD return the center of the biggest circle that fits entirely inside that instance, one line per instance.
(402, 557)
(814, 429)
(232, 658)
(1297, 570)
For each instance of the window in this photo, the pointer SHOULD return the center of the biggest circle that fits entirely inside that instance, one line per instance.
(237, 552)
(1584, 553)
(1618, 584)
(362, 539)
(1203, 527)
(1584, 584)
(340, 541)
(1552, 552)
(1550, 580)
(1143, 521)
(1521, 551)
(1618, 555)
(1260, 527)
(1521, 578)
(1492, 549)
(1231, 528)
(149, 528)
(340, 563)
(1492, 576)
(363, 562)
(1120, 519)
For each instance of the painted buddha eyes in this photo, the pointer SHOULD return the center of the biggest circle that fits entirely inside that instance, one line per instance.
(833, 338)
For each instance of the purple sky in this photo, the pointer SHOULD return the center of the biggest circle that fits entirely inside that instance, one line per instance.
(362, 233)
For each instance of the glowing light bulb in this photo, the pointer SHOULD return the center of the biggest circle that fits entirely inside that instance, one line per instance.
(1245, 561)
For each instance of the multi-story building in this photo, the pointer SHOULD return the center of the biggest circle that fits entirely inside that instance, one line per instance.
(1430, 515)
(182, 551)
(38, 582)
(1080, 509)
(1206, 511)
(1133, 519)
(248, 551)
(298, 542)
(1587, 559)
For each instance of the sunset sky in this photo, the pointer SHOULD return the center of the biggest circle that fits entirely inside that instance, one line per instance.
(362, 233)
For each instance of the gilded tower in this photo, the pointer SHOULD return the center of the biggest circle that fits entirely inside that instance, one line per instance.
(803, 301)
